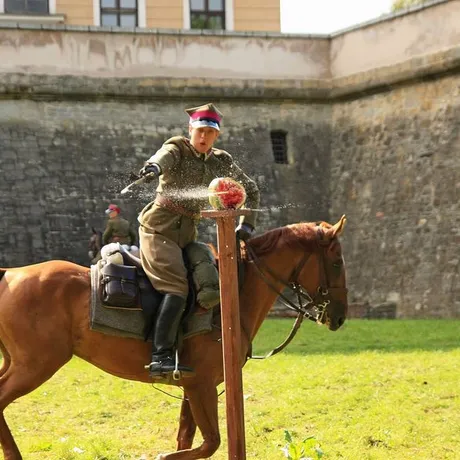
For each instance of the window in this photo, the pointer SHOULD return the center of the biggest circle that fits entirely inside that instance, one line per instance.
(279, 146)
(119, 13)
(207, 14)
(26, 6)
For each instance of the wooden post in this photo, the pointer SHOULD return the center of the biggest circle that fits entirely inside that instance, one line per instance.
(231, 329)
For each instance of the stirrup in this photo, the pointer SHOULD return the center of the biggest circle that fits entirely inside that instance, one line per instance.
(177, 373)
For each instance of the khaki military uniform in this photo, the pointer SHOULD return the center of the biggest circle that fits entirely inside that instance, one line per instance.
(169, 223)
(118, 230)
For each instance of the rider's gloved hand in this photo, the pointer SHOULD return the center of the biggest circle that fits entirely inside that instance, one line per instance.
(244, 231)
(150, 168)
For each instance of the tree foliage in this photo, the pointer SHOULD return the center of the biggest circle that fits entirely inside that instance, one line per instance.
(402, 4)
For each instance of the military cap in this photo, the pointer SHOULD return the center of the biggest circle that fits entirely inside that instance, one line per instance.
(205, 115)
(111, 208)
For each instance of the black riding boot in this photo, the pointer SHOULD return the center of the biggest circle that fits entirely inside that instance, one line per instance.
(167, 324)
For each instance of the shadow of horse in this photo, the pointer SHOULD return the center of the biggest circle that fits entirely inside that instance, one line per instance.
(44, 321)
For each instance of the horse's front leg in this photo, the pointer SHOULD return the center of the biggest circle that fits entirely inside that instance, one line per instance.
(203, 404)
(187, 426)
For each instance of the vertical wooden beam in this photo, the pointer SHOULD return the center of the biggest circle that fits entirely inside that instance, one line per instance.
(231, 329)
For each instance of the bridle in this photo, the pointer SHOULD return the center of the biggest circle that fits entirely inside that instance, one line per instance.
(311, 307)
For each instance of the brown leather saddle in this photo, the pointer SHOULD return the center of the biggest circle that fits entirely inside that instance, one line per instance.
(126, 286)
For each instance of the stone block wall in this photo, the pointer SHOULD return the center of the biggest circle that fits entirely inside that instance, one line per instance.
(62, 162)
(396, 174)
(375, 138)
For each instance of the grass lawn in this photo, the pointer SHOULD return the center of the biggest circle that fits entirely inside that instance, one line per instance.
(376, 389)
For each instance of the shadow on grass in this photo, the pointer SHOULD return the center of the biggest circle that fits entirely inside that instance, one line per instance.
(357, 336)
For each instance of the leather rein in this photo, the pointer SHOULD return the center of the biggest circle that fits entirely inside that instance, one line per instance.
(314, 308)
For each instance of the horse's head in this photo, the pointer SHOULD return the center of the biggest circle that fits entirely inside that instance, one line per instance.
(322, 276)
(309, 267)
(95, 243)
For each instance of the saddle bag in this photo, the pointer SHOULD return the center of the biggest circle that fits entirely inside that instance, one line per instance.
(119, 286)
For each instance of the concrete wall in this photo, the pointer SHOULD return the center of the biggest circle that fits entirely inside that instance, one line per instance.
(67, 50)
(426, 30)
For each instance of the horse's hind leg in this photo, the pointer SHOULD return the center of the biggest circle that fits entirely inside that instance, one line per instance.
(203, 405)
(17, 381)
(187, 426)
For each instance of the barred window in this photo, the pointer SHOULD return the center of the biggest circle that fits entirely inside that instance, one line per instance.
(26, 6)
(119, 13)
(207, 14)
(279, 146)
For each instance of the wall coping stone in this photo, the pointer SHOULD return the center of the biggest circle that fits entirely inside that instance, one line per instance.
(362, 84)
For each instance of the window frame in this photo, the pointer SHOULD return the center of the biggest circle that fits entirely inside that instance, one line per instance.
(119, 12)
(279, 142)
(209, 14)
(229, 17)
(141, 19)
(51, 9)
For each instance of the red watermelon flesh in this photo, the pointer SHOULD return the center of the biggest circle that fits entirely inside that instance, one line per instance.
(226, 193)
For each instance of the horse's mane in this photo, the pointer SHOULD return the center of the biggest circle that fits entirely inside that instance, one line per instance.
(302, 235)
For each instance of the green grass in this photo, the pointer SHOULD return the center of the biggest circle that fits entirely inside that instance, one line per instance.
(377, 389)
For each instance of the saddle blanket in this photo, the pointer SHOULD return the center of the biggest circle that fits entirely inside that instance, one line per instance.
(130, 323)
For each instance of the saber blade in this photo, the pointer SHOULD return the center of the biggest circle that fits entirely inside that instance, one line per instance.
(139, 181)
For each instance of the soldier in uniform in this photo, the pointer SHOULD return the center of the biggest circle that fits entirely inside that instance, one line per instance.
(118, 229)
(185, 167)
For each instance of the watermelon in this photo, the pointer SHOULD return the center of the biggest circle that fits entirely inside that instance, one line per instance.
(226, 193)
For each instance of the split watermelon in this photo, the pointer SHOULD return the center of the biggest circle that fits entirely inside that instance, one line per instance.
(226, 193)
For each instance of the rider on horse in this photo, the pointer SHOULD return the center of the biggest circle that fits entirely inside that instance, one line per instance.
(118, 229)
(169, 223)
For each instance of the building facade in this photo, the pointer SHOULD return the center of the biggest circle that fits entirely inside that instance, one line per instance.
(230, 15)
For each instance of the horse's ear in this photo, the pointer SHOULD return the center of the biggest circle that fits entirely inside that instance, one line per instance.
(337, 229)
(93, 230)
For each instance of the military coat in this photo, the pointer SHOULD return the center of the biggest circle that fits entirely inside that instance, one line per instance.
(186, 174)
(168, 228)
(118, 230)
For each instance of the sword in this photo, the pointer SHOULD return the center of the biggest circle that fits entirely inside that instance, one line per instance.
(137, 182)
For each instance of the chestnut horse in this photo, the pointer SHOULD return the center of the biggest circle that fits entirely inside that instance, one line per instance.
(44, 321)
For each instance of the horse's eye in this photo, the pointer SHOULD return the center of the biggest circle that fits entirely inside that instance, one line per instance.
(337, 264)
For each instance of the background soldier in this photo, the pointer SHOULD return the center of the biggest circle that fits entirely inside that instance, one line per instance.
(118, 229)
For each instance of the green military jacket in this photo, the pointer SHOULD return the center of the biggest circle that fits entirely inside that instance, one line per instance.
(186, 175)
(118, 230)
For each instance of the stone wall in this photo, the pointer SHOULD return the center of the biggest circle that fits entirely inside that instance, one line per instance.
(396, 174)
(379, 144)
(63, 161)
